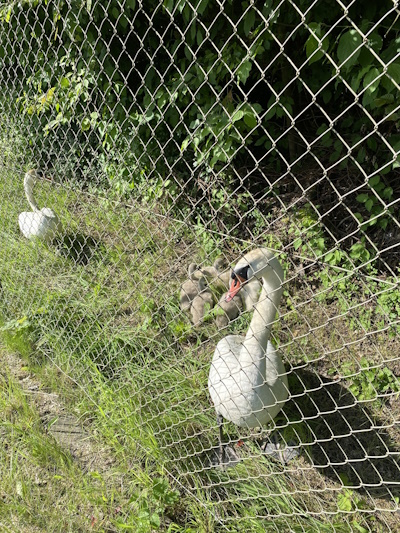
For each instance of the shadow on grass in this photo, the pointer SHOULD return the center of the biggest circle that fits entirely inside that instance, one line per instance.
(349, 443)
(81, 249)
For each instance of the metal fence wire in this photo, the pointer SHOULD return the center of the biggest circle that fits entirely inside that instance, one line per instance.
(212, 245)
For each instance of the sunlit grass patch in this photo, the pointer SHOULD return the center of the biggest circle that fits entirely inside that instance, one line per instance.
(96, 315)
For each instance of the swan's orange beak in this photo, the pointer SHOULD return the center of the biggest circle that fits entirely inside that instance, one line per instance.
(235, 286)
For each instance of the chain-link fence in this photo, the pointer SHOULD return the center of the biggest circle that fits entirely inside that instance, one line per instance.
(173, 142)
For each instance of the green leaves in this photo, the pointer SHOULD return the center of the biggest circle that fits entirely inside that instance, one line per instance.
(344, 500)
(393, 71)
(374, 203)
(249, 21)
(349, 48)
(218, 139)
(316, 45)
(64, 83)
(371, 80)
(91, 122)
(243, 71)
(163, 493)
(371, 381)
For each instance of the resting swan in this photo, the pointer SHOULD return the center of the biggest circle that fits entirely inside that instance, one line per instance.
(247, 382)
(41, 223)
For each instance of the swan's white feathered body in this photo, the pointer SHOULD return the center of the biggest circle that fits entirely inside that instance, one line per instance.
(41, 223)
(247, 381)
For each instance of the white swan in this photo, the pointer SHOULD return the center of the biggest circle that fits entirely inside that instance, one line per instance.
(247, 382)
(41, 223)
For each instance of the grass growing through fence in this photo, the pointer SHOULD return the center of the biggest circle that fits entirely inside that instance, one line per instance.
(97, 318)
(41, 486)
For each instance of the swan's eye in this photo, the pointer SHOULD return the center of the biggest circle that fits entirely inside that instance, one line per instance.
(241, 274)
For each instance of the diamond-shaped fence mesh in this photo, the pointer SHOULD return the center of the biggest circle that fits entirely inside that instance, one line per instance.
(184, 149)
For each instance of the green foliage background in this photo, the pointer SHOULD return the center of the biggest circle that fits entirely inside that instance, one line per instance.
(152, 98)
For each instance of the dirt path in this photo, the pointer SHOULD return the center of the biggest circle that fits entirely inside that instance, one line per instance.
(65, 427)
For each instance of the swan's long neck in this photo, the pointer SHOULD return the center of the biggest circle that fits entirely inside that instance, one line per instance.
(255, 345)
(28, 187)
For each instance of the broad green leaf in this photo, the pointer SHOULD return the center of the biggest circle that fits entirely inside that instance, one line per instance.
(267, 8)
(349, 48)
(64, 82)
(162, 100)
(394, 140)
(202, 6)
(169, 5)
(368, 204)
(314, 43)
(375, 41)
(387, 193)
(199, 37)
(238, 115)
(250, 120)
(160, 487)
(271, 113)
(359, 74)
(261, 140)
(155, 520)
(385, 99)
(181, 6)
(362, 197)
(123, 21)
(371, 80)
(8, 14)
(374, 181)
(243, 71)
(85, 124)
(193, 30)
(249, 20)
(185, 144)
(394, 72)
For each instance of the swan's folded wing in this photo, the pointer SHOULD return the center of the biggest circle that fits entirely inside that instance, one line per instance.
(37, 224)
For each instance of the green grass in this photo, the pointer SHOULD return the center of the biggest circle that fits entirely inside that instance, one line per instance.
(42, 488)
(97, 319)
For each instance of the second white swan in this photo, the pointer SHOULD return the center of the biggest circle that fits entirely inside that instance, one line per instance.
(41, 223)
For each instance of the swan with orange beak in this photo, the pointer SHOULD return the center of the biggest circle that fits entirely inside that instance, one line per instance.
(247, 380)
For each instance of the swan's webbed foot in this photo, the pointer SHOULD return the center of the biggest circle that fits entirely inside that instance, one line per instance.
(280, 449)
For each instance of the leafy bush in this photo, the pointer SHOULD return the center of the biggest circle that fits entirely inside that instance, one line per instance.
(370, 382)
(146, 97)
